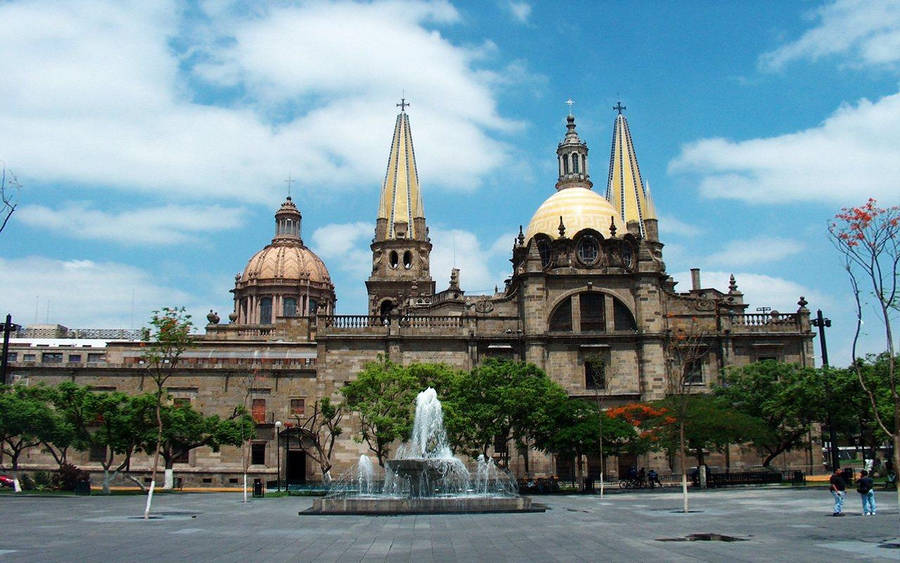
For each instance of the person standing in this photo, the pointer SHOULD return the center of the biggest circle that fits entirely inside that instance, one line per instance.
(838, 491)
(866, 488)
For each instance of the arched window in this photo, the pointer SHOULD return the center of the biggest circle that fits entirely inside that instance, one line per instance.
(565, 158)
(593, 317)
(407, 259)
(313, 307)
(622, 317)
(290, 307)
(394, 259)
(543, 245)
(561, 319)
(575, 163)
(265, 311)
(584, 163)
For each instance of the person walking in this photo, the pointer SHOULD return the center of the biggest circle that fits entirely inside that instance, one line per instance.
(838, 491)
(866, 488)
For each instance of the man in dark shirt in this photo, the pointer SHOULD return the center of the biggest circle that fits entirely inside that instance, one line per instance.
(838, 491)
(866, 488)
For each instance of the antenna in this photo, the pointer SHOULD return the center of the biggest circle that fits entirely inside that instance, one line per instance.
(453, 245)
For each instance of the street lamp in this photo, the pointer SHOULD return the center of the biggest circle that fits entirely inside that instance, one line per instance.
(821, 322)
(278, 451)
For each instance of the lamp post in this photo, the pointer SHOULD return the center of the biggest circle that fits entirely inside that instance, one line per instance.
(8, 327)
(821, 322)
(278, 453)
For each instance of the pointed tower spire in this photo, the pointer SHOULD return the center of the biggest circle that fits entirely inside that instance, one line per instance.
(625, 188)
(572, 155)
(401, 249)
(401, 214)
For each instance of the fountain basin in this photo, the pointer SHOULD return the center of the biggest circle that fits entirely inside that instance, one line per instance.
(422, 505)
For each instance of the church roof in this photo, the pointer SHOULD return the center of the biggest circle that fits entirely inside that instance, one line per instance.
(625, 189)
(580, 208)
(401, 199)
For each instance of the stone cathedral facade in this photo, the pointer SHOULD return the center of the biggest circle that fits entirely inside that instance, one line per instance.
(587, 282)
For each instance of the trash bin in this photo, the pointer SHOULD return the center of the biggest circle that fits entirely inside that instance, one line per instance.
(798, 478)
(83, 487)
(258, 490)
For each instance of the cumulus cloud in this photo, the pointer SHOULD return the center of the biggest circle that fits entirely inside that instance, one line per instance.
(853, 155)
(759, 250)
(480, 267)
(144, 96)
(868, 31)
(85, 294)
(758, 289)
(669, 225)
(170, 224)
(520, 11)
(345, 247)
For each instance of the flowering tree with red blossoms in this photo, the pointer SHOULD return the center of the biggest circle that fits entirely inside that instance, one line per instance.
(868, 237)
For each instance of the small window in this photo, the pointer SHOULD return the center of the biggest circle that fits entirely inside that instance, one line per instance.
(265, 311)
(767, 359)
(258, 410)
(290, 307)
(407, 259)
(627, 255)
(231, 480)
(28, 357)
(588, 251)
(298, 407)
(74, 358)
(209, 480)
(593, 318)
(565, 164)
(594, 373)
(52, 358)
(258, 454)
(11, 356)
(313, 307)
(693, 373)
(394, 259)
(543, 245)
(575, 163)
(97, 453)
(561, 319)
(95, 357)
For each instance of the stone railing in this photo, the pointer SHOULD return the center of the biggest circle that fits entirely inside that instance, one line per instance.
(426, 321)
(352, 321)
(235, 331)
(766, 322)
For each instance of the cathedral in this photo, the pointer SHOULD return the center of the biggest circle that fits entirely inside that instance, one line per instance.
(587, 287)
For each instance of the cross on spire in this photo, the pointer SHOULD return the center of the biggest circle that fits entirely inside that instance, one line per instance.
(289, 182)
(619, 107)
(570, 102)
(403, 104)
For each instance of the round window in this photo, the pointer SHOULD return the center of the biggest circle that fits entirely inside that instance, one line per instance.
(588, 250)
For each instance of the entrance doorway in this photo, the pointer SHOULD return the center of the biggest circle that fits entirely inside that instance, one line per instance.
(295, 468)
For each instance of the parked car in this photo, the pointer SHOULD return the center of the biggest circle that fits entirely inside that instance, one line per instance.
(6, 481)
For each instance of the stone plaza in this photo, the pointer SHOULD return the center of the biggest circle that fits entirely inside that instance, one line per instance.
(766, 524)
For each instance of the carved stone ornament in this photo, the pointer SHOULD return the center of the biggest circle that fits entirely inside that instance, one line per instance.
(705, 305)
(484, 306)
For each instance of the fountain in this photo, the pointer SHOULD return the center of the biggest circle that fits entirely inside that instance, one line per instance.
(424, 478)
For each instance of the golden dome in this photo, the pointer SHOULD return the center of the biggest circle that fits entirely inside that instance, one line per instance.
(286, 261)
(579, 207)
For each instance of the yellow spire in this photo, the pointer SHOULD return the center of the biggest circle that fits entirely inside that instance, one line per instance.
(625, 189)
(401, 199)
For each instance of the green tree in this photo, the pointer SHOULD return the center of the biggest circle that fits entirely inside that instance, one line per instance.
(164, 342)
(787, 398)
(316, 433)
(25, 417)
(383, 396)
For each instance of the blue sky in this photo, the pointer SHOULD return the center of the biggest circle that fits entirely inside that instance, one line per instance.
(153, 139)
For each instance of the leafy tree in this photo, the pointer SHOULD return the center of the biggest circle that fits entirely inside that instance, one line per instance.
(317, 432)
(868, 239)
(786, 397)
(185, 429)
(164, 342)
(25, 416)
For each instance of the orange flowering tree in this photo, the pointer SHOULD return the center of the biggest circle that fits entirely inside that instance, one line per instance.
(868, 238)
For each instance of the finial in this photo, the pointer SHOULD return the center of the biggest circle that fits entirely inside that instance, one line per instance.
(289, 182)
(570, 102)
(619, 107)
(562, 228)
(612, 225)
(732, 285)
(521, 238)
(803, 302)
(403, 104)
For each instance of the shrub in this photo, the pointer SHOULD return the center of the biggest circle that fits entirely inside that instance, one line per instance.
(67, 476)
(27, 482)
(42, 480)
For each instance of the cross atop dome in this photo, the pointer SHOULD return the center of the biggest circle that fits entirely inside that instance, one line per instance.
(570, 102)
(619, 107)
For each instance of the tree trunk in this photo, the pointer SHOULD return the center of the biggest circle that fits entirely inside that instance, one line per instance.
(681, 453)
(159, 429)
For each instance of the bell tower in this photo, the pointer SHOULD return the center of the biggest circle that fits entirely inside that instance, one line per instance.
(401, 248)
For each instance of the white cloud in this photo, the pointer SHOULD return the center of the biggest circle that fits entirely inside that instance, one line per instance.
(170, 224)
(520, 11)
(128, 95)
(669, 225)
(86, 294)
(479, 267)
(853, 155)
(758, 289)
(345, 247)
(868, 31)
(756, 251)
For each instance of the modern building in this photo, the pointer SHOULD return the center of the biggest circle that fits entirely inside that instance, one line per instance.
(588, 287)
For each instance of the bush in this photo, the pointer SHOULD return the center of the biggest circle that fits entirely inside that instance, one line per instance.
(27, 482)
(67, 476)
(42, 480)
